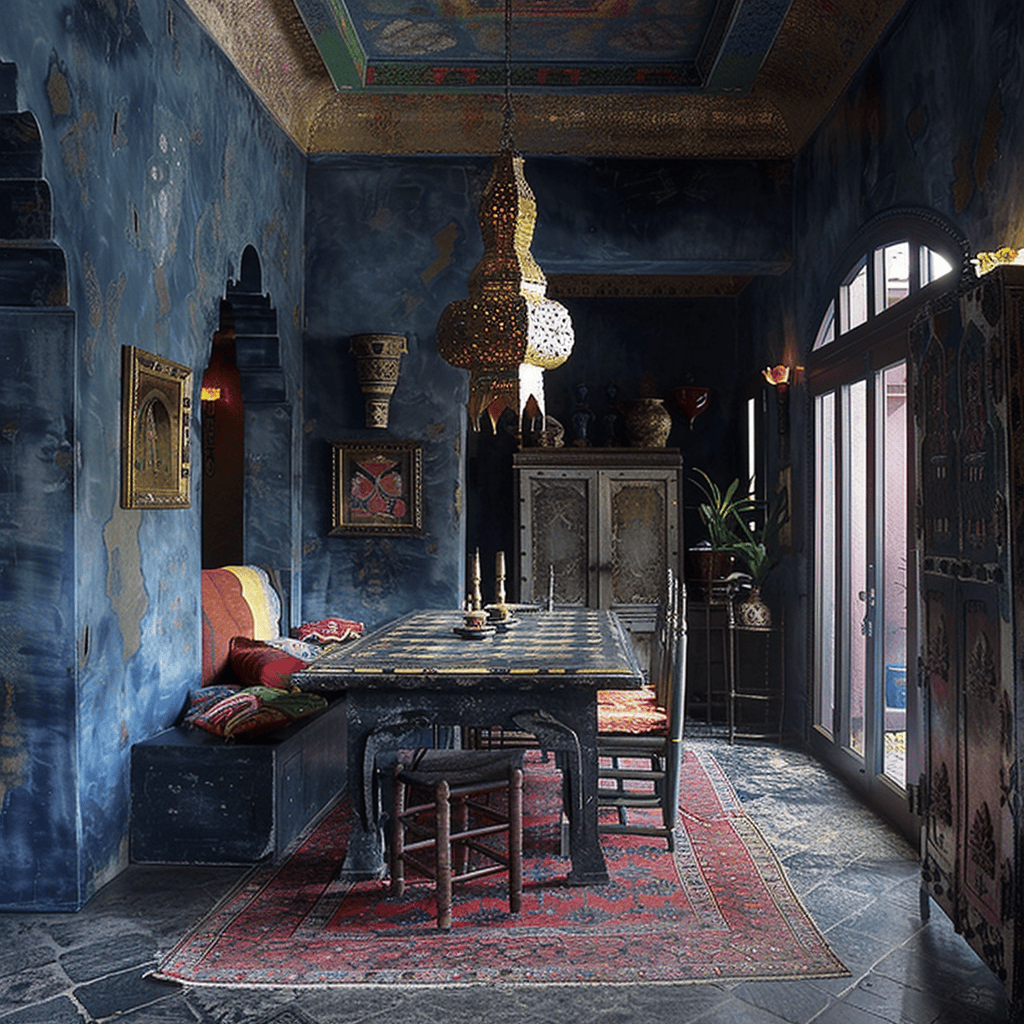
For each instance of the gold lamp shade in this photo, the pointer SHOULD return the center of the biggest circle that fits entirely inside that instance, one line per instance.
(507, 332)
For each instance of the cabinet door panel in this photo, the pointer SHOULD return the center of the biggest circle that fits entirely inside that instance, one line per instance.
(637, 541)
(560, 540)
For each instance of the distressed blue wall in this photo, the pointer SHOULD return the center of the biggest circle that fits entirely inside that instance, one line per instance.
(156, 192)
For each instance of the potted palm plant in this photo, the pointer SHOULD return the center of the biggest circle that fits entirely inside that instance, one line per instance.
(720, 512)
(758, 549)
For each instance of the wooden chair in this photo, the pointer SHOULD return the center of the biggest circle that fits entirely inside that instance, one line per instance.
(640, 732)
(451, 822)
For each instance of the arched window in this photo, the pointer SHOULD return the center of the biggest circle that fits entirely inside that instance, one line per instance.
(899, 257)
(857, 378)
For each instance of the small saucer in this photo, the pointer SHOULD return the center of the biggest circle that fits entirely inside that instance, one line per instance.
(473, 634)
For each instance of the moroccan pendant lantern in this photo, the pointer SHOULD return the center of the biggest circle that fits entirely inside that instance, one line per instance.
(507, 332)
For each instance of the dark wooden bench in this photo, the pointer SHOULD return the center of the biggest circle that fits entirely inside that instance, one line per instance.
(197, 798)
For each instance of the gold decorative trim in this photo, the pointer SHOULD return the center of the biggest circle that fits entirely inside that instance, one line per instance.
(985, 262)
(816, 53)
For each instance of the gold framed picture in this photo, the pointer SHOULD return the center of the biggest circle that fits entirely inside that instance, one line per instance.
(156, 409)
(377, 487)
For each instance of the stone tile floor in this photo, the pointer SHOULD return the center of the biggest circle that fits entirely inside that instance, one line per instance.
(856, 876)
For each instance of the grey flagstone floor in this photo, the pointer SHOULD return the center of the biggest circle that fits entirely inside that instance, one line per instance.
(857, 877)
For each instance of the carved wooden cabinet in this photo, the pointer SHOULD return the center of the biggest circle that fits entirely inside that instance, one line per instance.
(968, 356)
(599, 527)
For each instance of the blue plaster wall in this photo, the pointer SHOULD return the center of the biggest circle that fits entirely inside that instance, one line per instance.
(156, 192)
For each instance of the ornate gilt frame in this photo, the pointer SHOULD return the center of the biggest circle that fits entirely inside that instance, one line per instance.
(377, 487)
(156, 408)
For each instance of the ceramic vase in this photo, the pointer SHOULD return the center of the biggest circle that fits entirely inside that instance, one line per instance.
(647, 423)
(378, 358)
(752, 612)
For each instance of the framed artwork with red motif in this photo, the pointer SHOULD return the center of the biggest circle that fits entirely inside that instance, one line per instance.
(377, 487)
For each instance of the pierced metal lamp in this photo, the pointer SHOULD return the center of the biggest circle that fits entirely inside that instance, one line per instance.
(507, 333)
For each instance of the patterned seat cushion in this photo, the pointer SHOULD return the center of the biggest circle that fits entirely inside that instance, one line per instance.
(635, 712)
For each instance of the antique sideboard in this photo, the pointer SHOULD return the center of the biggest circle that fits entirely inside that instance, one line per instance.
(599, 528)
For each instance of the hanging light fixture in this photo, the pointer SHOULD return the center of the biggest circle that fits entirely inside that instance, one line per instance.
(507, 333)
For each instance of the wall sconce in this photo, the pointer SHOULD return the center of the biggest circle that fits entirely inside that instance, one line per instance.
(378, 358)
(778, 377)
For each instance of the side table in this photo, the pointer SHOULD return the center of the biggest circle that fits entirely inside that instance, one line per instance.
(757, 682)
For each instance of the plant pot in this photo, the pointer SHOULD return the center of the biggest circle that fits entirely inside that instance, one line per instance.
(648, 423)
(752, 612)
(705, 566)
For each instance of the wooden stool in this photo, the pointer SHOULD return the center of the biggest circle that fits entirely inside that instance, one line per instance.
(455, 779)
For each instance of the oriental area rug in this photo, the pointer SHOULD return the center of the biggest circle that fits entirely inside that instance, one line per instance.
(717, 908)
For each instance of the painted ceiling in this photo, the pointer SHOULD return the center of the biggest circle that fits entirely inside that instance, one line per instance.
(708, 79)
(556, 45)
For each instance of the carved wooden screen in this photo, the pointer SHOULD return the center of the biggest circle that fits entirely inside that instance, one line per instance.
(970, 406)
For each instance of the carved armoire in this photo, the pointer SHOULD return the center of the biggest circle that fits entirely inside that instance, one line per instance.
(968, 356)
(599, 527)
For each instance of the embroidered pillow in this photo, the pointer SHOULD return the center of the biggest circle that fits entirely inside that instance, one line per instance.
(275, 709)
(329, 630)
(258, 664)
(256, 711)
(215, 719)
(201, 700)
(296, 648)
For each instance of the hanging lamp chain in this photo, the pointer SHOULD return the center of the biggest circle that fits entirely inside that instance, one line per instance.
(507, 113)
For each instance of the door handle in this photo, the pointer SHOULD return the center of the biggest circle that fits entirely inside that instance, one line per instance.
(867, 624)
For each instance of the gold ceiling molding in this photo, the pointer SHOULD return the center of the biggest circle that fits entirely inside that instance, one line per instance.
(646, 286)
(818, 49)
(268, 43)
(656, 126)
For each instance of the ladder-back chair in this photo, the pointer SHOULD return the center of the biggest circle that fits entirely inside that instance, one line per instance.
(640, 733)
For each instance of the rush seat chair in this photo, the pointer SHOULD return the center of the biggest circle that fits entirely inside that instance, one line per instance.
(442, 828)
(640, 734)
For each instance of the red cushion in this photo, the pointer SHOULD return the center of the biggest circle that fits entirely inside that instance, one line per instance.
(630, 711)
(258, 664)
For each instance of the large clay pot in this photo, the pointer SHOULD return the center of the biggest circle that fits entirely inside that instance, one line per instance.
(647, 423)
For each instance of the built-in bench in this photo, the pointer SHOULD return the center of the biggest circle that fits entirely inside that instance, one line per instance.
(198, 799)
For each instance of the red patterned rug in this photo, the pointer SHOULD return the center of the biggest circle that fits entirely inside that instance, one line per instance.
(718, 908)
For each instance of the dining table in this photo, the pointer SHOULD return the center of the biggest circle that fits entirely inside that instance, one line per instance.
(425, 675)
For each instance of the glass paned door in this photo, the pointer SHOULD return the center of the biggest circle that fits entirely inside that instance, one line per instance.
(860, 574)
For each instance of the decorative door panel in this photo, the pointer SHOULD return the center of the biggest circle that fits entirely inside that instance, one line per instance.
(937, 411)
(988, 839)
(560, 540)
(942, 756)
(971, 530)
(638, 541)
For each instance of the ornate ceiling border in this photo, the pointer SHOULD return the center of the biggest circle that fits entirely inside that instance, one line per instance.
(817, 51)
